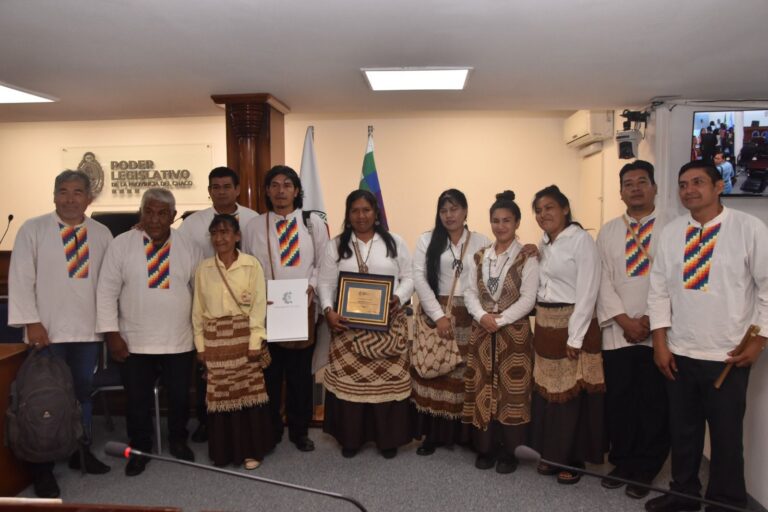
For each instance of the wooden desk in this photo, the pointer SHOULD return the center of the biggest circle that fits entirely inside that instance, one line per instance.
(15, 476)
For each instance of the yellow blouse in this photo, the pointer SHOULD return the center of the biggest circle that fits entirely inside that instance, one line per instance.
(213, 300)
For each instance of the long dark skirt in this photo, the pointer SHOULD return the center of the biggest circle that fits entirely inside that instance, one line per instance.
(353, 424)
(440, 430)
(499, 439)
(239, 435)
(571, 432)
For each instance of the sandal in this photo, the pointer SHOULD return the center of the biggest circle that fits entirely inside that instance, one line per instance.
(568, 477)
(546, 469)
(251, 464)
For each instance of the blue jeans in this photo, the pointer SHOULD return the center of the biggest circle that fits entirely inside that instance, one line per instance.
(81, 357)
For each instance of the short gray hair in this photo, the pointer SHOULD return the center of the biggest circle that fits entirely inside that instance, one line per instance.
(70, 175)
(160, 194)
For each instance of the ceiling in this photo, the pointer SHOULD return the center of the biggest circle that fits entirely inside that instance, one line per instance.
(116, 59)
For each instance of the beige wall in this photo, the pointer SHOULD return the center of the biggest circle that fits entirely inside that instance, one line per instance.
(417, 154)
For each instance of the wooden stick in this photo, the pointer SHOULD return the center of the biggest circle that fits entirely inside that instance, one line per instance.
(753, 331)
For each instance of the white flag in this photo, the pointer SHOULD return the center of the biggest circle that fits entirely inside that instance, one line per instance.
(310, 180)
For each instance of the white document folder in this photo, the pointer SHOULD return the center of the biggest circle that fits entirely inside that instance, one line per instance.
(287, 315)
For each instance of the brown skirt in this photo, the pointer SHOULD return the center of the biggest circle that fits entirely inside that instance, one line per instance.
(440, 430)
(352, 424)
(239, 435)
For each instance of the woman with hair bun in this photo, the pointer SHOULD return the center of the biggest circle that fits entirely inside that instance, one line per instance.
(500, 293)
(440, 259)
(569, 385)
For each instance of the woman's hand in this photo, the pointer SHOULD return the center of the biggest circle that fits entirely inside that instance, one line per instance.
(488, 322)
(572, 353)
(254, 355)
(335, 321)
(530, 251)
(394, 304)
(201, 357)
(444, 327)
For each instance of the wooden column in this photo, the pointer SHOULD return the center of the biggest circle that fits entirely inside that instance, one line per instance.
(255, 141)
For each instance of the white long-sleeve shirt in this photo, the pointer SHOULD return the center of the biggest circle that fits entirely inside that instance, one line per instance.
(708, 323)
(39, 284)
(490, 267)
(569, 272)
(427, 298)
(311, 245)
(621, 293)
(374, 252)
(195, 227)
(150, 320)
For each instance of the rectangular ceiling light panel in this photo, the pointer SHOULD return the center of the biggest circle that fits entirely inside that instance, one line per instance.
(417, 79)
(10, 94)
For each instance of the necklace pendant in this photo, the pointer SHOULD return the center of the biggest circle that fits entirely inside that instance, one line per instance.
(493, 284)
(363, 268)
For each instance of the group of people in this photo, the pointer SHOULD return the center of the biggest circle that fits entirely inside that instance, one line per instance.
(630, 332)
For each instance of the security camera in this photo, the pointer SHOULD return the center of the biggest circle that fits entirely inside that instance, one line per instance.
(627, 141)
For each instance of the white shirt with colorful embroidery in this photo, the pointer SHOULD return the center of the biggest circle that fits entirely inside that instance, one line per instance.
(569, 273)
(45, 287)
(709, 309)
(151, 320)
(374, 253)
(310, 246)
(626, 274)
(427, 297)
(196, 226)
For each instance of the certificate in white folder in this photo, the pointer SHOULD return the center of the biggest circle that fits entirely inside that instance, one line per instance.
(287, 315)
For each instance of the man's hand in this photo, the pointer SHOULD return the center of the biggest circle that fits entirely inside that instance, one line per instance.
(572, 353)
(635, 329)
(662, 356)
(38, 336)
(750, 354)
(118, 348)
(444, 327)
(310, 294)
(488, 322)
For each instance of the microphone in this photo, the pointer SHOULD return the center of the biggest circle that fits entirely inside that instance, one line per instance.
(527, 454)
(10, 218)
(124, 451)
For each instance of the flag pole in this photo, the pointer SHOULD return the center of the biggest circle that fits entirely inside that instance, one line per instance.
(370, 130)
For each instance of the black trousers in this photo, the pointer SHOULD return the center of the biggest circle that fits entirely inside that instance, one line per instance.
(636, 412)
(201, 387)
(294, 366)
(140, 371)
(693, 400)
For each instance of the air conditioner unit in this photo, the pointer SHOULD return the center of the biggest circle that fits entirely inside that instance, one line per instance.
(586, 127)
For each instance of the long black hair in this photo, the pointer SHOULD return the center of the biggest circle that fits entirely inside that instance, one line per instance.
(561, 199)
(346, 234)
(440, 237)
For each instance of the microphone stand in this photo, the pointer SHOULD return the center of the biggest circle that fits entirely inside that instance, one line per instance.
(128, 452)
(526, 453)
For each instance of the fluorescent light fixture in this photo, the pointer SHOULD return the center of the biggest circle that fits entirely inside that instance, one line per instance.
(416, 79)
(10, 94)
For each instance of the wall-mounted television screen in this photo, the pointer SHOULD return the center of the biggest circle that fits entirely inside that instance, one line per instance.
(736, 142)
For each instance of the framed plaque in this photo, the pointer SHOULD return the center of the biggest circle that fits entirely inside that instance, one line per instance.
(363, 299)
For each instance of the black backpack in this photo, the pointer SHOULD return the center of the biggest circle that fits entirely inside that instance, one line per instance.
(43, 421)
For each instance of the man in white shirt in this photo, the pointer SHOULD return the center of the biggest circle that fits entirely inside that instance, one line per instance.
(726, 171)
(709, 282)
(52, 279)
(144, 305)
(290, 244)
(636, 399)
(224, 189)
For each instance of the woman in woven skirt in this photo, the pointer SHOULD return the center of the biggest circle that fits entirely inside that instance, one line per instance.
(439, 260)
(569, 385)
(228, 319)
(500, 292)
(367, 382)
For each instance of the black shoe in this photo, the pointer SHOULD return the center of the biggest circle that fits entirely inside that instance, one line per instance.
(426, 448)
(348, 453)
(389, 453)
(610, 483)
(92, 465)
(669, 503)
(45, 485)
(136, 465)
(506, 465)
(485, 461)
(200, 435)
(636, 492)
(182, 451)
(304, 444)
